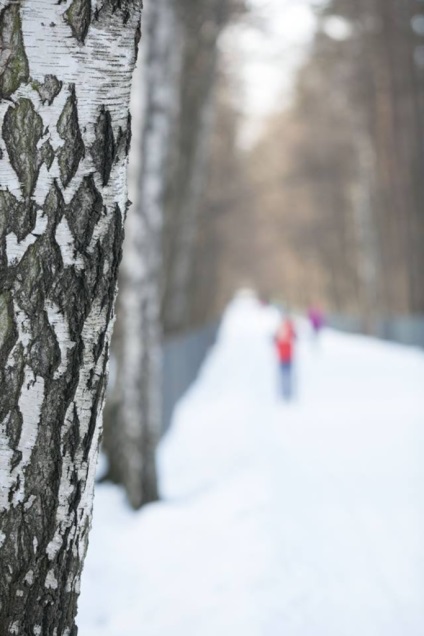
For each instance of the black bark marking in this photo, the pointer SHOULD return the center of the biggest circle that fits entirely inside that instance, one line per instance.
(128, 135)
(14, 427)
(28, 291)
(104, 148)
(44, 353)
(21, 215)
(22, 130)
(113, 245)
(137, 37)
(3, 258)
(123, 142)
(35, 275)
(102, 271)
(24, 221)
(12, 378)
(14, 432)
(4, 211)
(78, 16)
(70, 294)
(99, 388)
(54, 206)
(49, 89)
(13, 63)
(8, 331)
(84, 211)
(72, 151)
(47, 154)
(72, 438)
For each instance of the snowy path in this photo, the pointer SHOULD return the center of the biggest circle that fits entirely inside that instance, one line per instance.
(277, 520)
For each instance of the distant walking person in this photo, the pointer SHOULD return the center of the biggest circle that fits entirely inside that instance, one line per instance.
(285, 345)
(316, 319)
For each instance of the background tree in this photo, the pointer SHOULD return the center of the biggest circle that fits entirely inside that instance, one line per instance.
(226, 242)
(177, 84)
(133, 421)
(202, 23)
(65, 79)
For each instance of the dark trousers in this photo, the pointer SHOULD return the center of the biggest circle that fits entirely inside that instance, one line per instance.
(286, 377)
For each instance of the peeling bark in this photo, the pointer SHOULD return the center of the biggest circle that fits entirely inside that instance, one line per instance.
(61, 230)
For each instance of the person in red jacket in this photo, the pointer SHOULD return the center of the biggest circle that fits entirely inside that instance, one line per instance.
(285, 345)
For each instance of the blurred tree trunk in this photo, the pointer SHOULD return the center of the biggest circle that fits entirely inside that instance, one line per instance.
(65, 77)
(368, 249)
(133, 426)
(393, 106)
(180, 60)
(201, 23)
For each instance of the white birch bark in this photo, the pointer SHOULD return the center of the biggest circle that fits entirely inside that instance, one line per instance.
(65, 76)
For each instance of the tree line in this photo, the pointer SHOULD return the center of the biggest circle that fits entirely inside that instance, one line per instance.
(330, 198)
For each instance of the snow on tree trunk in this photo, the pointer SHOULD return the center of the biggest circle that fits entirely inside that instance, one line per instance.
(133, 430)
(65, 75)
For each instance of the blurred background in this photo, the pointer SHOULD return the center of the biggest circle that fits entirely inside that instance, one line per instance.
(278, 146)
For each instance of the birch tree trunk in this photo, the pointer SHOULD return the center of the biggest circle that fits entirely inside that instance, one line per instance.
(65, 75)
(133, 430)
(180, 58)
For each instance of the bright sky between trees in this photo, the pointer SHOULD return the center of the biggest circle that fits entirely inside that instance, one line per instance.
(268, 48)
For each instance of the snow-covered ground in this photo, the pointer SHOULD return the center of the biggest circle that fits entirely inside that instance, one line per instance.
(304, 519)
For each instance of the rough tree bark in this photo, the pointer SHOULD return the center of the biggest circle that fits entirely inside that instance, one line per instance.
(132, 431)
(65, 75)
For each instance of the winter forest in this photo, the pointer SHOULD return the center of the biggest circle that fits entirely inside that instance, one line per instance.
(211, 317)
